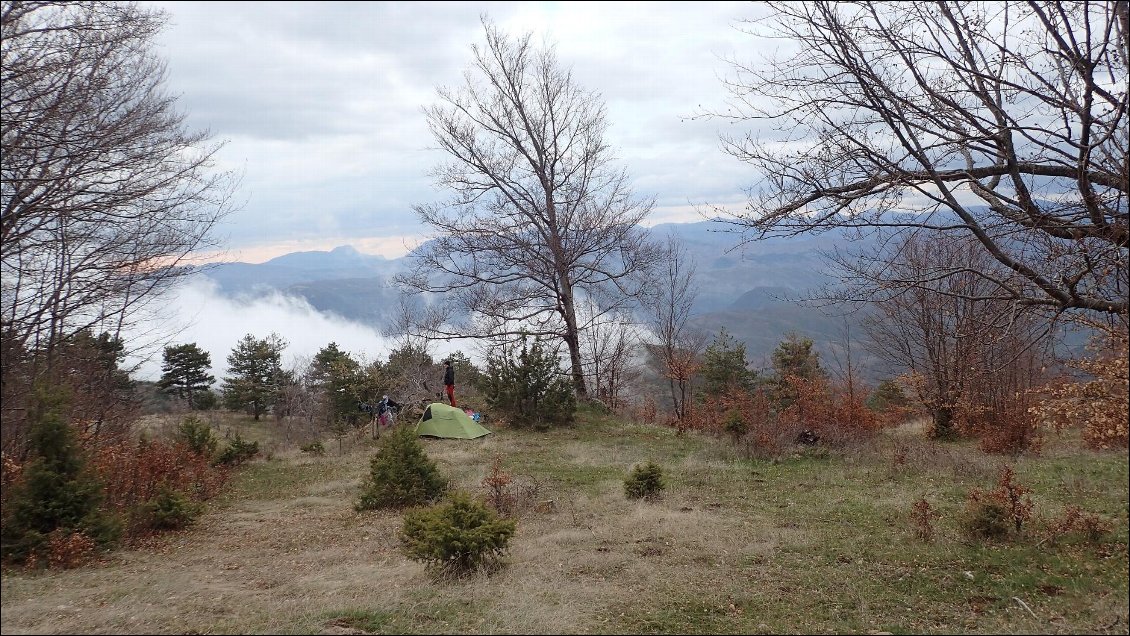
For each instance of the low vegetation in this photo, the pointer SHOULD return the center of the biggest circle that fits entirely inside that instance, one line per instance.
(401, 474)
(645, 482)
(456, 537)
(736, 544)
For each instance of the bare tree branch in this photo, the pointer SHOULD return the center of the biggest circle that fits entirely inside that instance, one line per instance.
(1006, 122)
(104, 194)
(539, 215)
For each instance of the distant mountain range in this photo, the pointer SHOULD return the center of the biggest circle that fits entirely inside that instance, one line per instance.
(750, 290)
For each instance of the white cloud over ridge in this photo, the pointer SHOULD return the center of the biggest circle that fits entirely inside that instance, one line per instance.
(197, 313)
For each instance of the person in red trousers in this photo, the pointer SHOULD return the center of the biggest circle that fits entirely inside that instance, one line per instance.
(449, 381)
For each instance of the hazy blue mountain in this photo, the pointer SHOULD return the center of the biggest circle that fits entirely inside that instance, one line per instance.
(280, 273)
(749, 289)
(727, 269)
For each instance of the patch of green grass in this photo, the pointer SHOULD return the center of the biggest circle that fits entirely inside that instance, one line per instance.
(432, 613)
(680, 615)
(274, 480)
(425, 611)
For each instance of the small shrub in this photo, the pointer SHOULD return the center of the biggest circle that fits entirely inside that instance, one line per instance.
(169, 510)
(1075, 520)
(401, 474)
(985, 520)
(1008, 504)
(197, 435)
(922, 516)
(456, 537)
(496, 483)
(314, 448)
(237, 452)
(645, 482)
(735, 425)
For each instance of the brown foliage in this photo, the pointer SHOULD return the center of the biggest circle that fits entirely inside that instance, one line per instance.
(66, 549)
(510, 497)
(922, 516)
(495, 484)
(1074, 519)
(1004, 427)
(10, 471)
(1015, 499)
(134, 472)
(644, 411)
(835, 413)
(1099, 405)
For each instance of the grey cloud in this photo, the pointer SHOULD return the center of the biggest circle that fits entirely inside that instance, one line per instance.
(322, 101)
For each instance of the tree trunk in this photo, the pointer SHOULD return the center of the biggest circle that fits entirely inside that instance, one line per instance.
(572, 337)
(943, 423)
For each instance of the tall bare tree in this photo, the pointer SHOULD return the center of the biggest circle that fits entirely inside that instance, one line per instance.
(540, 216)
(669, 303)
(1002, 121)
(104, 192)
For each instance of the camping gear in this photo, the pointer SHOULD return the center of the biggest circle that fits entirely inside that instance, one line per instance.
(441, 420)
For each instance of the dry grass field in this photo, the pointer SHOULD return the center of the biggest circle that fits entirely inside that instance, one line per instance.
(819, 542)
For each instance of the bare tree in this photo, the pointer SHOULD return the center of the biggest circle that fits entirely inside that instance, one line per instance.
(1005, 122)
(539, 217)
(609, 349)
(104, 193)
(960, 343)
(669, 302)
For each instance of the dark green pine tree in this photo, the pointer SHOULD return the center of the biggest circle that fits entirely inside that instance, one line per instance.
(401, 474)
(56, 492)
(254, 374)
(184, 373)
(793, 359)
(529, 388)
(339, 380)
(724, 366)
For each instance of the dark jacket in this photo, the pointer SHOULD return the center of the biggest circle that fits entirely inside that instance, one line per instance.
(449, 376)
(385, 405)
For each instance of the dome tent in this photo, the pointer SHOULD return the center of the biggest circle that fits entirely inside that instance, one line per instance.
(441, 420)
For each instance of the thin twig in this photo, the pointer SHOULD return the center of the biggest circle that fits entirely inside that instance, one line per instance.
(1025, 606)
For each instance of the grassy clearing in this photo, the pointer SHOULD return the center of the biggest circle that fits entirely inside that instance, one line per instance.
(818, 542)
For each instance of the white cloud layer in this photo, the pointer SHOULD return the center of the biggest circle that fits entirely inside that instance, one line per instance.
(196, 313)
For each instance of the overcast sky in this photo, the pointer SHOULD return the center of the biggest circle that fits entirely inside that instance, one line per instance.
(319, 104)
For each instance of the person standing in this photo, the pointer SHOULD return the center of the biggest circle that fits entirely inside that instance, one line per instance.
(449, 380)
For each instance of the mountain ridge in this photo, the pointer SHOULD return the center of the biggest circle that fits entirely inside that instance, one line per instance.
(750, 289)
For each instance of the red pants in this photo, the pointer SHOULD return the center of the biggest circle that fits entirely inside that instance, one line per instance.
(450, 393)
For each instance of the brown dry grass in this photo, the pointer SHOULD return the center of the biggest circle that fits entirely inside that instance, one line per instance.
(808, 544)
(285, 551)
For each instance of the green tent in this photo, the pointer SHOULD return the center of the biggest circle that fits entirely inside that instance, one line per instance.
(441, 420)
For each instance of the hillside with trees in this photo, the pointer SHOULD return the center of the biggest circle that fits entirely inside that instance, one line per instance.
(858, 377)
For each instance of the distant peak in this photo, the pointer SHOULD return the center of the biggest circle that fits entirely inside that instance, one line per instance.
(344, 250)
